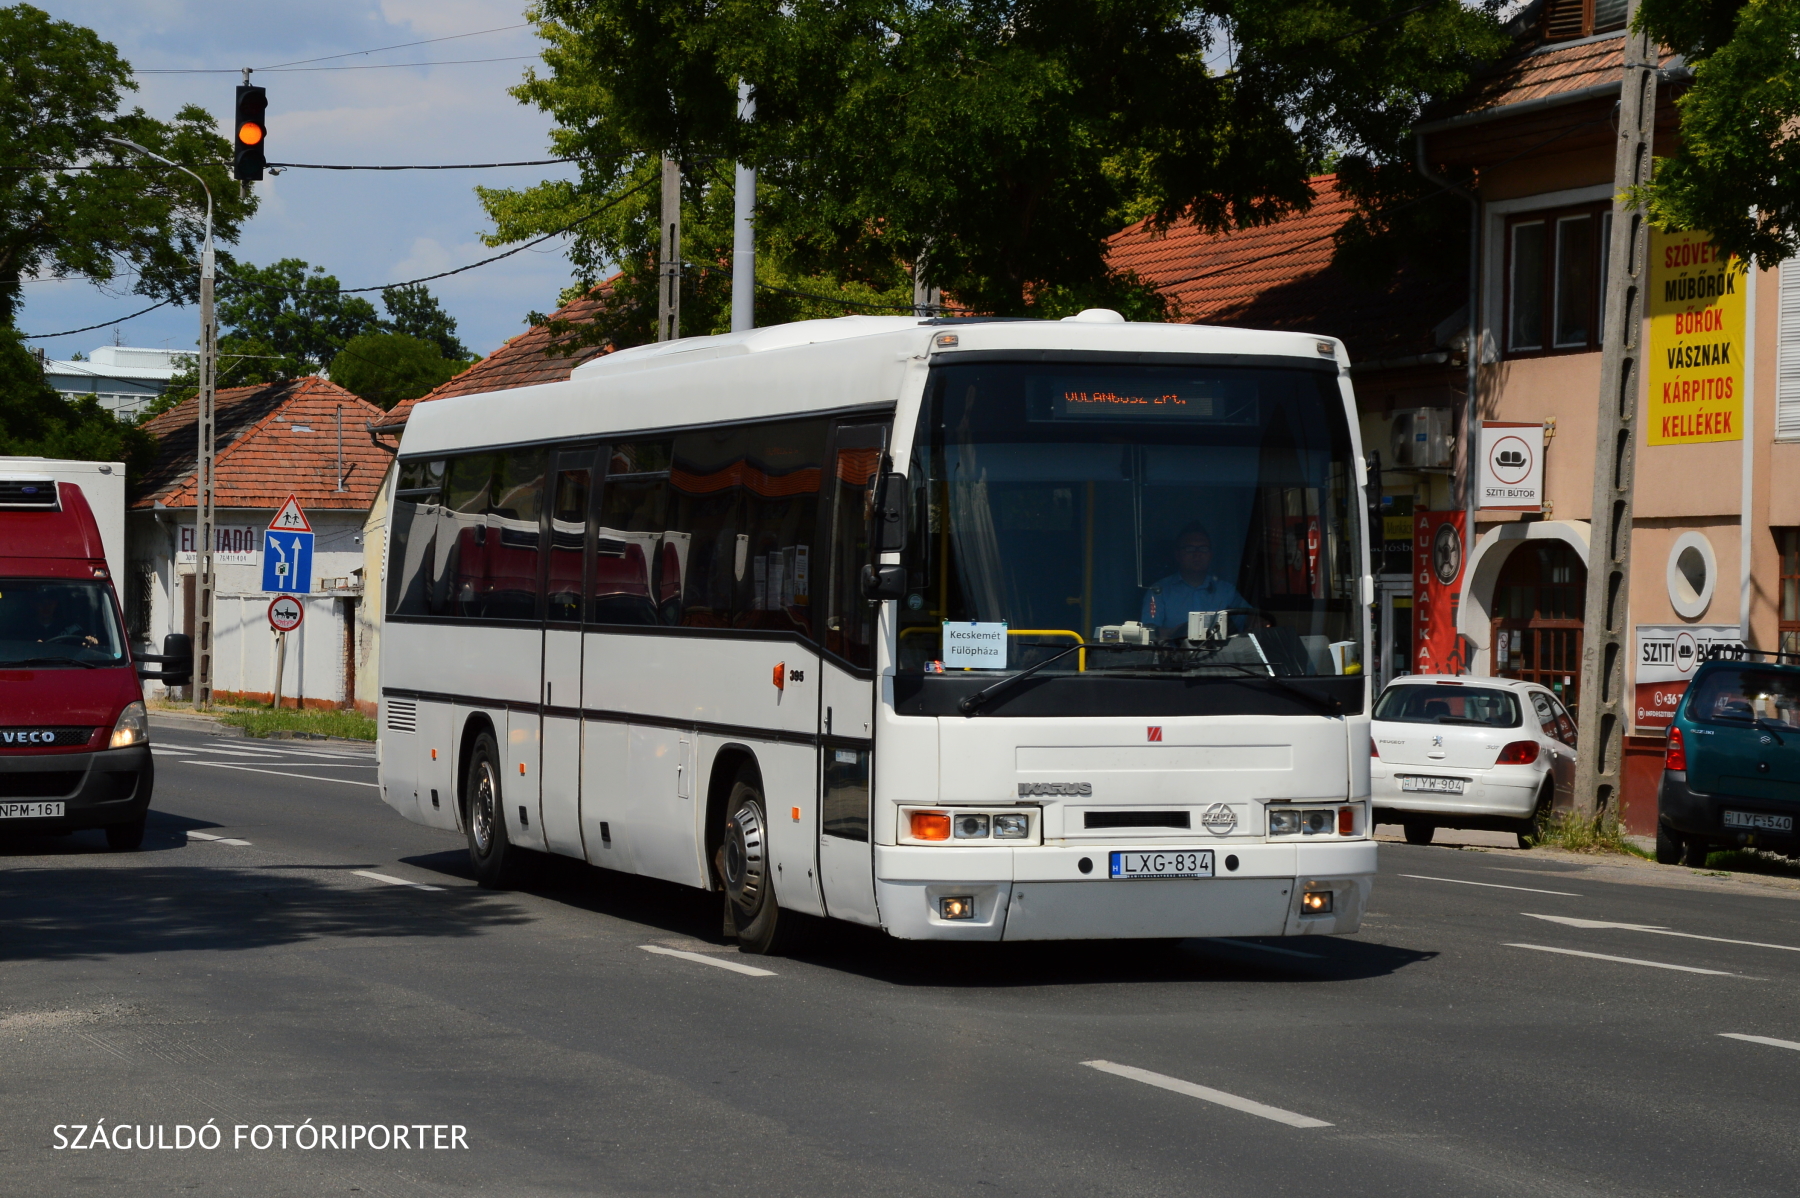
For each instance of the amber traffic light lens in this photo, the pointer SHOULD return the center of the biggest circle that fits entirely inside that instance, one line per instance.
(250, 134)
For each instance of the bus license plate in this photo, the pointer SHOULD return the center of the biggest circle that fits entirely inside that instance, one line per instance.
(1751, 819)
(1439, 786)
(30, 810)
(1163, 863)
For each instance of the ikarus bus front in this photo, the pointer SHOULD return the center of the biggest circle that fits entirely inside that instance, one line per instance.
(961, 629)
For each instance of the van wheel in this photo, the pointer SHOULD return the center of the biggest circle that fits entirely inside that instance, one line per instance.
(1668, 845)
(125, 838)
(1419, 832)
(748, 875)
(490, 852)
(1538, 822)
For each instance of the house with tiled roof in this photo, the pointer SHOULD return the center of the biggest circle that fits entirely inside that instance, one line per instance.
(309, 439)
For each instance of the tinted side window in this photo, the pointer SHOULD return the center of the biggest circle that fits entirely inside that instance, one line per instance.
(631, 578)
(743, 509)
(844, 810)
(412, 538)
(493, 502)
(568, 538)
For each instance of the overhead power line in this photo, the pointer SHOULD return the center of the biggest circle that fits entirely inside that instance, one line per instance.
(361, 66)
(401, 46)
(90, 328)
(452, 166)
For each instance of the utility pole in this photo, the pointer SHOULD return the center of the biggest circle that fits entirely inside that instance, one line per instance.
(668, 266)
(205, 446)
(743, 230)
(1605, 636)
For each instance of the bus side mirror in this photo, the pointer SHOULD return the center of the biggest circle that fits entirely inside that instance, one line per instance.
(883, 582)
(889, 516)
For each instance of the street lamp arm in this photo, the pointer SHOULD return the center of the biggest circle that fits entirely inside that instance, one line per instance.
(206, 260)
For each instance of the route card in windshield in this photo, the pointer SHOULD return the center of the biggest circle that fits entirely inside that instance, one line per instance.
(1142, 395)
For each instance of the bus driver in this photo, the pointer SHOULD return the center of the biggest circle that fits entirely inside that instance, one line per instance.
(1193, 586)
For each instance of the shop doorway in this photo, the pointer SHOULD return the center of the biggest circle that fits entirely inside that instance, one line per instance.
(1535, 634)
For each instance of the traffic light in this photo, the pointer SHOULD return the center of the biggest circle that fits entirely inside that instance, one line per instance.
(248, 133)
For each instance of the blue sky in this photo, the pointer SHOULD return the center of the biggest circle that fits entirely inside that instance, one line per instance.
(365, 227)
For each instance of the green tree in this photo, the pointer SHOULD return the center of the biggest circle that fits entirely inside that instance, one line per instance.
(999, 141)
(281, 322)
(415, 312)
(35, 420)
(1736, 171)
(385, 368)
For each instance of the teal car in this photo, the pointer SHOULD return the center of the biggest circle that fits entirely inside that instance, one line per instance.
(1731, 772)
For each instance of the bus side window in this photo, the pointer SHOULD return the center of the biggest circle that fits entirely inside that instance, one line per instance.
(850, 619)
(509, 590)
(412, 553)
(568, 537)
(628, 544)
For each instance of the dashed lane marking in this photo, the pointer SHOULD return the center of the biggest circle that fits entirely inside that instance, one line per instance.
(1492, 885)
(1267, 948)
(1207, 1094)
(391, 880)
(250, 769)
(1572, 952)
(1655, 930)
(1771, 1041)
(216, 839)
(702, 958)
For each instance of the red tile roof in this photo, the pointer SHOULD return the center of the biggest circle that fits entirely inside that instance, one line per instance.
(1547, 71)
(1280, 276)
(273, 440)
(520, 362)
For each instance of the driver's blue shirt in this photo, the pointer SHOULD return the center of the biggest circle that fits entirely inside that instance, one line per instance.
(1168, 602)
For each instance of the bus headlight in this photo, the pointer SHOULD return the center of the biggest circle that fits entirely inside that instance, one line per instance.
(971, 827)
(1012, 827)
(132, 728)
(1303, 821)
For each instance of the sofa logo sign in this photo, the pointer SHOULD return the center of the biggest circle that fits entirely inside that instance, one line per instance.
(1667, 656)
(1512, 466)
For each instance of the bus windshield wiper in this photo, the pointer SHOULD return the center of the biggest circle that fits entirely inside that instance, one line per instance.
(1329, 704)
(971, 704)
(51, 661)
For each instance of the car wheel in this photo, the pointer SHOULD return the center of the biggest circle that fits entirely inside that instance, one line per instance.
(127, 837)
(1668, 845)
(748, 874)
(1538, 822)
(490, 852)
(1697, 849)
(1419, 832)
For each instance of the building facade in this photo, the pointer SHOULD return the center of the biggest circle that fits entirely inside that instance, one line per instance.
(123, 379)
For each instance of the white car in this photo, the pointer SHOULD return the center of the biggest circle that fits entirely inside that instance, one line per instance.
(1470, 752)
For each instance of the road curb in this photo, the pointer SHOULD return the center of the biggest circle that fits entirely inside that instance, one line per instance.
(192, 722)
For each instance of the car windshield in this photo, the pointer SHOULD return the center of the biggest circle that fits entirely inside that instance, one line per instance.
(1740, 696)
(46, 622)
(1412, 703)
(1198, 515)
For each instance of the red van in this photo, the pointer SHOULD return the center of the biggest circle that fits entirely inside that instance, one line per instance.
(74, 735)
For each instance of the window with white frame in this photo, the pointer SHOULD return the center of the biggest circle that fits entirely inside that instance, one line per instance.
(1556, 280)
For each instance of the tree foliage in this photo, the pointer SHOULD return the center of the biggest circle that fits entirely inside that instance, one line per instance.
(60, 90)
(415, 312)
(36, 421)
(997, 141)
(1736, 172)
(385, 368)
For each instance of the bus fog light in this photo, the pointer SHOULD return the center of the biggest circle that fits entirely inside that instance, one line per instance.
(1316, 902)
(1012, 827)
(962, 906)
(971, 827)
(1284, 823)
(930, 825)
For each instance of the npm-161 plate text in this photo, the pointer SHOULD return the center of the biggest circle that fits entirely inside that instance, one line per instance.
(31, 810)
(1163, 863)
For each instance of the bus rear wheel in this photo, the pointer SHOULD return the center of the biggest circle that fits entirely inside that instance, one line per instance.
(490, 852)
(748, 874)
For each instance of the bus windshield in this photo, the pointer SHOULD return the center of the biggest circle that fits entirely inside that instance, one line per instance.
(50, 622)
(1200, 517)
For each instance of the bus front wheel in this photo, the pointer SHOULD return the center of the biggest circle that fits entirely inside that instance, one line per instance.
(748, 875)
(489, 849)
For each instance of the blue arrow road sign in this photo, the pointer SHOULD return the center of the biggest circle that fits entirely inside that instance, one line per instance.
(287, 562)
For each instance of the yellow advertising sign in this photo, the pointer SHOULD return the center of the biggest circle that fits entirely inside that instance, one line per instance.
(1696, 359)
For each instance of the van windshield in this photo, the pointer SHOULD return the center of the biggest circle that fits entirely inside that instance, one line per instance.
(1412, 703)
(52, 622)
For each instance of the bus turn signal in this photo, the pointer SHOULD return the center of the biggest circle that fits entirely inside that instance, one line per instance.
(930, 825)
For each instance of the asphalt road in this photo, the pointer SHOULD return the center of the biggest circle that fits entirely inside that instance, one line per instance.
(286, 950)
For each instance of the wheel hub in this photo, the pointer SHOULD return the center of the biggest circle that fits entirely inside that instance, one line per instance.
(746, 859)
(481, 811)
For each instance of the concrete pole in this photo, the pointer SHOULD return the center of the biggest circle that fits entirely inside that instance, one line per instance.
(668, 265)
(1606, 632)
(204, 581)
(743, 231)
(927, 300)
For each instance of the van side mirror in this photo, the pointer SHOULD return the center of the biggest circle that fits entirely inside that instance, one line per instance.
(177, 660)
(888, 517)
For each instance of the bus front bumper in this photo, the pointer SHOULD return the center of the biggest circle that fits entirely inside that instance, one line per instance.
(1041, 893)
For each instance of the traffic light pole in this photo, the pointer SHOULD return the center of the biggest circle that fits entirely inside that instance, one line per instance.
(1605, 707)
(205, 445)
(743, 230)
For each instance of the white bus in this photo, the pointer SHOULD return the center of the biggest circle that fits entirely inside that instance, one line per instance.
(962, 629)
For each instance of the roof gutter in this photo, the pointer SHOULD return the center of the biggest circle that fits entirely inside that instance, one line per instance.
(1678, 71)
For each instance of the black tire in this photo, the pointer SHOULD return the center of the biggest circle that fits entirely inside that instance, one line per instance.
(491, 853)
(1697, 849)
(748, 876)
(1668, 845)
(1533, 826)
(126, 837)
(1419, 832)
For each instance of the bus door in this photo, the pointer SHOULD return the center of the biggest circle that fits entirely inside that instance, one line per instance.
(847, 676)
(566, 532)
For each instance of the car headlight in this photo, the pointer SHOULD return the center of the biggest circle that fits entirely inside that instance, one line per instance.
(132, 728)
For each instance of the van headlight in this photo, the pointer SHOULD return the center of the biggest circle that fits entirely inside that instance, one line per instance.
(132, 728)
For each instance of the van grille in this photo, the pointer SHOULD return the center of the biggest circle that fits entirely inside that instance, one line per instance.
(1135, 819)
(402, 715)
(39, 736)
(28, 493)
(44, 784)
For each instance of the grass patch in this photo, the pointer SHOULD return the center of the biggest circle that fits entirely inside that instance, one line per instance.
(352, 725)
(1575, 833)
(1752, 861)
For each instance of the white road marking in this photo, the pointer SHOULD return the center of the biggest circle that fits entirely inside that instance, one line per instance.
(1492, 885)
(392, 881)
(1571, 952)
(703, 959)
(1771, 1041)
(226, 765)
(165, 749)
(216, 839)
(1659, 931)
(1207, 1094)
(229, 752)
(1267, 948)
